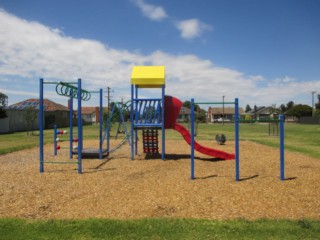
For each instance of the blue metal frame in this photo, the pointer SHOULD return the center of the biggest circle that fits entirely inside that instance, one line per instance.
(141, 116)
(55, 140)
(192, 139)
(282, 177)
(71, 127)
(100, 122)
(80, 140)
(41, 126)
(237, 148)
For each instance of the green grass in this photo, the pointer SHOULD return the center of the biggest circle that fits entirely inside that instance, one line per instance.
(158, 229)
(298, 138)
(21, 140)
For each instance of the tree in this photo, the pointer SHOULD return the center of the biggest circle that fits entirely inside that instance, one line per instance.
(300, 110)
(201, 116)
(30, 116)
(3, 104)
(290, 105)
(248, 108)
(283, 108)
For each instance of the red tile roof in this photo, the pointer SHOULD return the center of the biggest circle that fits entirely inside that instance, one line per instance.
(48, 105)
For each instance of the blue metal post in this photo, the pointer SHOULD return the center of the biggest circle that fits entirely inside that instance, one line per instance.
(79, 129)
(71, 126)
(282, 178)
(162, 123)
(41, 125)
(237, 149)
(100, 124)
(55, 140)
(192, 139)
(136, 121)
(132, 123)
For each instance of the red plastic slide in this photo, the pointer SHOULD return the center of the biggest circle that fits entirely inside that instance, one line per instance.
(172, 108)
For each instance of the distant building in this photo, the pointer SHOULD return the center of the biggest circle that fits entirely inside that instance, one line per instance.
(54, 113)
(215, 114)
(184, 115)
(261, 113)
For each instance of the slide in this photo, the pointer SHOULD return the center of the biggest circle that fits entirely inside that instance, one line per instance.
(205, 150)
(172, 108)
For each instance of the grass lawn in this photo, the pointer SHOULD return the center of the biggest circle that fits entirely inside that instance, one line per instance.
(299, 138)
(158, 229)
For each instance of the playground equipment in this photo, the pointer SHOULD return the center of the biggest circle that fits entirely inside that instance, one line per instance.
(71, 90)
(58, 138)
(147, 113)
(221, 139)
(160, 113)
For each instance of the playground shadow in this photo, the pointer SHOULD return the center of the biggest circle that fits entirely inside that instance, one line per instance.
(206, 177)
(176, 157)
(248, 178)
(290, 178)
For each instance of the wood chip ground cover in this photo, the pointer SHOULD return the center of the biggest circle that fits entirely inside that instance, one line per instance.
(124, 189)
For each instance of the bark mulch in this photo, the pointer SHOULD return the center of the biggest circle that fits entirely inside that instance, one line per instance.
(120, 188)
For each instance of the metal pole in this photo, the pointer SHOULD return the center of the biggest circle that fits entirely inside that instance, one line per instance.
(132, 123)
(192, 139)
(79, 129)
(55, 140)
(237, 148)
(136, 120)
(100, 124)
(41, 125)
(162, 123)
(71, 126)
(223, 110)
(282, 147)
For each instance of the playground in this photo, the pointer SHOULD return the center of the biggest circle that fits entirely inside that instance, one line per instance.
(146, 175)
(124, 189)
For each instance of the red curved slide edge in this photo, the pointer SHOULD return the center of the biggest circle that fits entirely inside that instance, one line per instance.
(172, 109)
(205, 150)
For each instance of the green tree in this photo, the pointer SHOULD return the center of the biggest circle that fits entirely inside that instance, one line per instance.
(290, 105)
(3, 104)
(30, 116)
(300, 110)
(248, 108)
(283, 108)
(201, 116)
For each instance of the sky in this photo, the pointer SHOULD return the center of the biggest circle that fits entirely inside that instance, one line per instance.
(263, 52)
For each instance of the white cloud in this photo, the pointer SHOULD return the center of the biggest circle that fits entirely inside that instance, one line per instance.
(155, 13)
(192, 28)
(30, 50)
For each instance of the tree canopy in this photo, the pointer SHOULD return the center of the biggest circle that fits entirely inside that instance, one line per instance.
(300, 110)
(3, 104)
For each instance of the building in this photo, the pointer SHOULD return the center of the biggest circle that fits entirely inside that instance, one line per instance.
(184, 115)
(54, 113)
(262, 113)
(217, 114)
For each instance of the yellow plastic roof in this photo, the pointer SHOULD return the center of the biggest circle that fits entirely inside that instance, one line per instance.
(148, 76)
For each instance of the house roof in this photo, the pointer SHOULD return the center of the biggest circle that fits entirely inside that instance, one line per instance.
(263, 110)
(184, 110)
(226, 110)
(34, 102)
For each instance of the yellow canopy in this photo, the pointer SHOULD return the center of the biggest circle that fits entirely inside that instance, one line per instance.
(148, 76)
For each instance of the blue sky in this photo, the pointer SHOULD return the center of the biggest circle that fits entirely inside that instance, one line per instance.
(262, 51)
